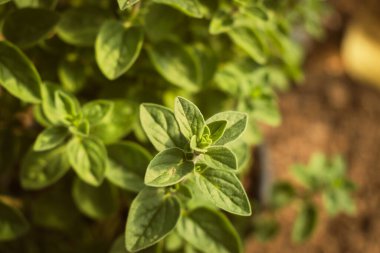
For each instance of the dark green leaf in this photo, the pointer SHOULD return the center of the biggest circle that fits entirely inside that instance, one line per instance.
(95, 202)
(13, 223)
(219, 157)
(175, 64)
(80, 26)
(127, 165)
(209, 231)
(224, 190)
(236, 125)
(153, 214)
(36, 3)
(167, 168)
(41, 169)
(18, 75)
(88, 156)
(117, 48)
(189, 7)
(26, 27)
(50, 138)
(189, 118)
(305, 223)
(161, 127)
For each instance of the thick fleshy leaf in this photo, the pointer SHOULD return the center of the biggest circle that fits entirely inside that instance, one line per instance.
(152, 215)
(88, 156)
(189, 118)
(219, 157)
(18, 74)
(189, 7)
(127, 165)
(96, 111)
(247, 39)
(26, 27)
(41, 169)
(176, 65)
(161, 127)
(95, 202)
(50, 138)
(167, 168)
(72, 75)
(80, 26)
(124, 4)
(117, 48)
(13, 223)
(236, 124)
(209, 231)
(224, 190)
(305, 223)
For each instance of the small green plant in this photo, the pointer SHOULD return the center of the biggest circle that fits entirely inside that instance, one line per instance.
(322, 177)
(190, 149)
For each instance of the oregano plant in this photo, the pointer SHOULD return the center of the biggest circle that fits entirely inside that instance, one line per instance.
(190, 149)
(90, 136)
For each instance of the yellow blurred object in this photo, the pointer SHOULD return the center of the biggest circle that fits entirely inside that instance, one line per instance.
(361, 49)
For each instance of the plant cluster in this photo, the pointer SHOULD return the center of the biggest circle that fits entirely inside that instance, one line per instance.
(75, 125)
(322, 180)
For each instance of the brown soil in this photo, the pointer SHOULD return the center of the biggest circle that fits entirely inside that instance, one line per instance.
(335, 115)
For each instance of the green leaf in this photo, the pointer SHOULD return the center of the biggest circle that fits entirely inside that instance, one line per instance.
(124, 4)
(236, 125)
(127, 165)
(175, 64)
(161, 127)
(118, 246)
(153, 214)
(80, 26)
(67, 107)
(88, 156)
(189, 7)
(247, 39)
(49, 109)
(160, 22)
(4, 1)
(72, 75)
(282, 194)
(209, 231)
(95, 202)
(26, 27)
(167, 168)
(338, 200)
(224, 190)
(97, 111)
(41, 169)
(217, 129)
(13, 223)
(18, 75)
(189, 118)
(305, 223)
(50, 138)
(118, 123)
(219, 157)
(221, 22)
(117, 48)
